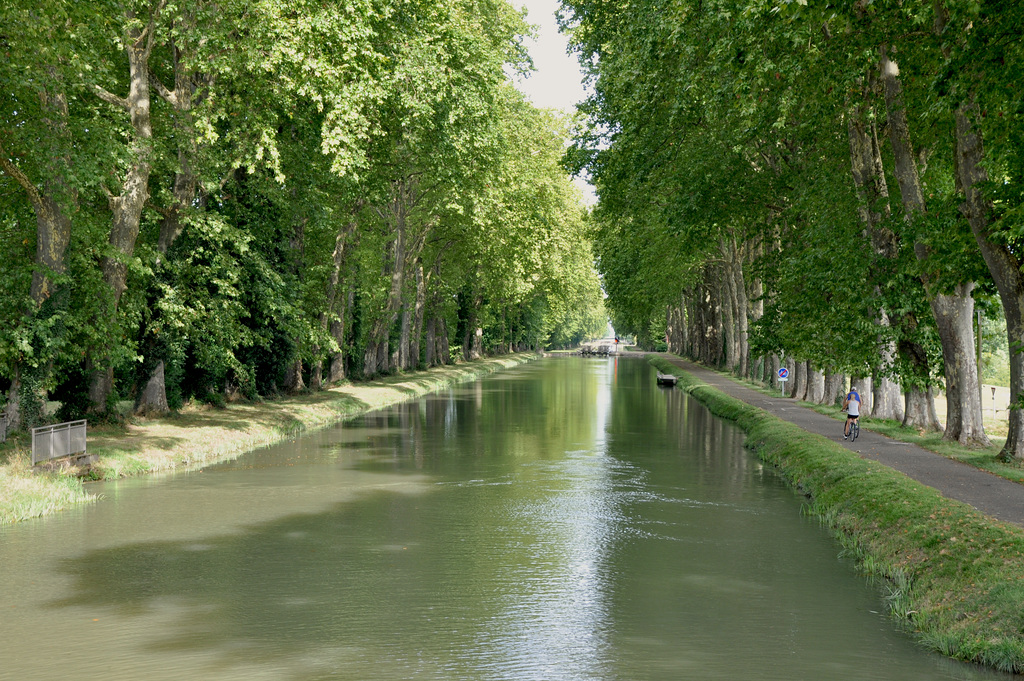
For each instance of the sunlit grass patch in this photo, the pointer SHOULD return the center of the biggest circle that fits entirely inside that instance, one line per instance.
(27, 494)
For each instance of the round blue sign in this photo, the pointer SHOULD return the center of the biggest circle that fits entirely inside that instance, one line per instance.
(783, 372)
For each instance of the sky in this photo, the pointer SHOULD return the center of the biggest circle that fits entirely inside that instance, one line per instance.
(557, 82)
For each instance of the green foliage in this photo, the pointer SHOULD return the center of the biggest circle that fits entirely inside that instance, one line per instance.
(307, 161)
(714, 121)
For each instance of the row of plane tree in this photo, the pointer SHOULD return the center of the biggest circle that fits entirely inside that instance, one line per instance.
(245, 197)
(835, 184)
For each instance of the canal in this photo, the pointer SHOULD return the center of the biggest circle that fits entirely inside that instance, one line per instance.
(564, 520)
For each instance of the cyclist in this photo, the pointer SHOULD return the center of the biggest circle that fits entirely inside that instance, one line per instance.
(851, 405)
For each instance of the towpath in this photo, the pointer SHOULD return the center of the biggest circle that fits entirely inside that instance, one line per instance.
(990, 494)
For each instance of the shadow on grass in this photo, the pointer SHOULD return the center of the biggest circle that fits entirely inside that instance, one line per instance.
(179, 429)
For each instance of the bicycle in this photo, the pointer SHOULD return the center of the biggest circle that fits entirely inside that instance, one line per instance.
(854, 429)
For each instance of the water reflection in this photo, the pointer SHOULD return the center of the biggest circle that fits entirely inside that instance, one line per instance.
(564, 521)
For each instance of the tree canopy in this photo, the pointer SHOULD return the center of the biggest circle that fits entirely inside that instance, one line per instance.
(826, 184)
(234, 199)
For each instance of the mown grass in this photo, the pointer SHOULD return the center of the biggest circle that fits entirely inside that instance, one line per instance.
(199, 435)
(954, 576)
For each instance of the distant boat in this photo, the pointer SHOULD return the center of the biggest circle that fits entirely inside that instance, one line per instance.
(666, 379)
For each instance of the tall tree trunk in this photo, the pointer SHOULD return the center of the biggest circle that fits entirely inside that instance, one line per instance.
(184, 191)
(294, 381)
(773, 378)
(692, 314)
(963, 389)
(405, 337)
(920, 410)
(472, 335)
(886, 395)
(417, 323)
(754, 294)
(799, 378)
(13, 407)
(790, 387)
(862, 384)
(734, 305)
(337, 370)
(834, 387)
(477, 350)
(727, 303)
(710, 326)
(434, 354)
(873, 207)
(154, 394)
(742, 313)
(333, 317)
(384, 364)
(815, 386)
(919, 406)
(675, 330)
(442, 347)
(53, 233)
(127, 206)
(186, 181)
(431, 343)
(316, 371)
(944, 307)
(718, 348)
(380, 331)
(1003, 263)
(370, 364)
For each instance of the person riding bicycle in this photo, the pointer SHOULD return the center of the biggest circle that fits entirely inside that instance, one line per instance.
(851, 405)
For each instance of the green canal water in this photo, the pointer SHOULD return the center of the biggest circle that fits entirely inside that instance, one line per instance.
(565, 520)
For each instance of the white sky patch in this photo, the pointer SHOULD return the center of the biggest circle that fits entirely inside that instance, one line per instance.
(557, 82)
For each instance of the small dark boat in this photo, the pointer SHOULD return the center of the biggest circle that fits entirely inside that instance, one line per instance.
(666, 379)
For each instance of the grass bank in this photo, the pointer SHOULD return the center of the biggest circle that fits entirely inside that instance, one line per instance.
(199, 435)
(953, 576)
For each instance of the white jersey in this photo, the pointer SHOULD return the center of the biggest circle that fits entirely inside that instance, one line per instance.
(853, 404)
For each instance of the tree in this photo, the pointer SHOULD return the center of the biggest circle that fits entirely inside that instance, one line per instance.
(708, 128)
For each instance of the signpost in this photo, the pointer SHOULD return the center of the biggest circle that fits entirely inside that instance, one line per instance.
(783, 377)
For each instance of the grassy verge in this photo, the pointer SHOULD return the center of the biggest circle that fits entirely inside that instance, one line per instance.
(954, 577)
(197, 436)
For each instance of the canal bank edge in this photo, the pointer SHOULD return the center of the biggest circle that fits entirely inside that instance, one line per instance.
(199, 437)
(953, 576)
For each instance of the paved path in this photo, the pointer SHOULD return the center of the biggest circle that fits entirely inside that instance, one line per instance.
(990, 494)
